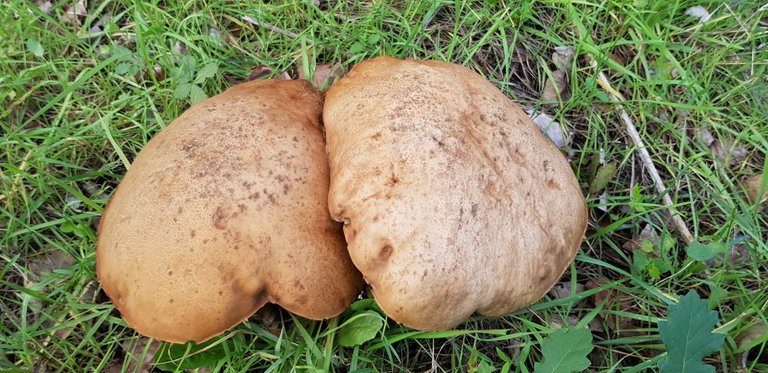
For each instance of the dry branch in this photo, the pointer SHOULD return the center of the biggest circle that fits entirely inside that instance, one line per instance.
(645, 157)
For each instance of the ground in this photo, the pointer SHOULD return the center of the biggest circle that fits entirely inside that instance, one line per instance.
(84, 85)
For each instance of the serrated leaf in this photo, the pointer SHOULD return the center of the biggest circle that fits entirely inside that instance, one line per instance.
(122, 54)
(688, 336)
(565, 350)
(604, 176)
(182, 91)
(175, 357)
(123, 68)
(208, 71)
(196, 94)
(35, 48)
(702, 252)
(359, 329)
(653, 271)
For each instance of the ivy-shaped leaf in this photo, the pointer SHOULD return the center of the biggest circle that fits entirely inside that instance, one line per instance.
(688, 336)
(564, 351)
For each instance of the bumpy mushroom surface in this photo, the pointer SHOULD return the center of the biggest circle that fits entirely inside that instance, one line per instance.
(224, 211)
(453, 201)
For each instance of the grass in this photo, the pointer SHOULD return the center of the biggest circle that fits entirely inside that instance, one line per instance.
(80, 101)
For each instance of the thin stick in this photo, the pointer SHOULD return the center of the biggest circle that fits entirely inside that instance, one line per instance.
(645, 157)
(274, 28)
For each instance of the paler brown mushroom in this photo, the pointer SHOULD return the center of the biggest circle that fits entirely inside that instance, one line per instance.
(224, 211)
(452, 200)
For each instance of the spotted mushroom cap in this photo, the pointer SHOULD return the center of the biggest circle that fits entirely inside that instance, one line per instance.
(224, 211)
(452, 200)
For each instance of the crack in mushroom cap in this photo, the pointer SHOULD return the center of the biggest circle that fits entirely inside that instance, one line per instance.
(223, 211)
(453, 201)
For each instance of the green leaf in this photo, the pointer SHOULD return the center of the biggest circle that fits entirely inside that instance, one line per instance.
(653, 271)
(359, 329)
(356, 48)
(196, 94)
(175, 357)
(373, 39)
(565, 350)
(639, 261)
(702, 252)
(123, 68)
(604, 176)
(35, 48)
(182, 91)
(688, 336)
(208, 71)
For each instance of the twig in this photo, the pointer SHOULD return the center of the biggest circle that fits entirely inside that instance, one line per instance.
(274, 28)
(287, 33)
(645, 157)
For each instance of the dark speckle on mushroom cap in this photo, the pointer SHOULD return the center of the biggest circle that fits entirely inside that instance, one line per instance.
(225, 210)
(457, 203)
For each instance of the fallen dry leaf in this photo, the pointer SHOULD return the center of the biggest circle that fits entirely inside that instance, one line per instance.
(563, 58)
(555, 87)
(647, 235)
(269, 318)
(45, 6)
(563, 290)
(754, 186)
(699, 12)
(324, 75)
(558, 322)
(614, 300)
(549, 127)
(50, 261)
(74, 12)
(260, 72)
(723, 151)
(758, 330)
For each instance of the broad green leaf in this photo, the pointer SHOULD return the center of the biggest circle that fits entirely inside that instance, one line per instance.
(604, 176)
(565, 351)
(35, 48)
(196, 94)
(182, 91)
(688, 336)
(639, 261)
(359, 329)
(356, 48)
(123, 68)
(208, 71)
(373, 39)
(175, 357)
(702, 252)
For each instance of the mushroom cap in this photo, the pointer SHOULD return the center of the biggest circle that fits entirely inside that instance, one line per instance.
(224, 211)
(452, 200)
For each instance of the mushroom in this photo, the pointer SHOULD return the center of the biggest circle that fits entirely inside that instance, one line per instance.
(224, 211)
(452, 200)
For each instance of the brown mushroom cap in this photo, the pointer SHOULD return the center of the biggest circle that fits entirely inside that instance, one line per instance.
(453, 201)
(224, 211)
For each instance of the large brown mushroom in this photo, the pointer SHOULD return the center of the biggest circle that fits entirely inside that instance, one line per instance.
(452, 200)
(224, 211)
